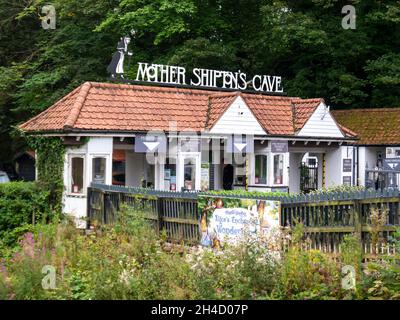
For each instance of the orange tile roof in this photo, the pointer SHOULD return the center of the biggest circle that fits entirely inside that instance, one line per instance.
(380, 126)
(122, 108)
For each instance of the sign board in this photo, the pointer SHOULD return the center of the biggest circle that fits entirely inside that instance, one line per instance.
(150, 143)
(279, 146)
(391, 164)
(347, 180)
(347, 165)
(197, 77)
(229, 225)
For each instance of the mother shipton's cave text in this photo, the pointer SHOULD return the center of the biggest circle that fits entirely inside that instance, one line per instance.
(199, 77)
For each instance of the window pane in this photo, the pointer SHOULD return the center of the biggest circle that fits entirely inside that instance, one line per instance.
(98, 170)
(278, 169)
(77, 175)
(170, 175)
(190, 173)
(118, 167)
(149, 179)
(261, 169)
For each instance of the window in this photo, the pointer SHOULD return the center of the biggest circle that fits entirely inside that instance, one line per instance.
(149, 181)
(278, 169)
(98, 170)
(240, 174)
(170, 174)
(261, 169)
(77, 166)
(190, 174)
(118, 167)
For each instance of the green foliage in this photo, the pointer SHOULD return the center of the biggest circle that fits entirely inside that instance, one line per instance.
(307, 274)
(129, 261)
(231, 198)
(50, 166)
(301, 40)
(351, 253)
(21, 204)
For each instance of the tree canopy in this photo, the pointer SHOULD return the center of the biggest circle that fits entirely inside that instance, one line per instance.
(303, 41)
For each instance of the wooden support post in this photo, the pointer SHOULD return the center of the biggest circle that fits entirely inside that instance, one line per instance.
(358, 220)
(88, 208)
(160, 214)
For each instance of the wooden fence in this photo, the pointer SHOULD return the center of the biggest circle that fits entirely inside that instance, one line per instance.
(176, 213)
(327, 218)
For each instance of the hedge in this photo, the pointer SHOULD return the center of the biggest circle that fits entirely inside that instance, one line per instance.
(21, 204)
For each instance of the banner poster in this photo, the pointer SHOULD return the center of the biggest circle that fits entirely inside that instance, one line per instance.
(222, 224)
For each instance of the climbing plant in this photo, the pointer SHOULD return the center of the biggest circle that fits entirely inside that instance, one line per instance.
(50, 153)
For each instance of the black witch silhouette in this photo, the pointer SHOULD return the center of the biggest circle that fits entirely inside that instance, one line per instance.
(116, 66)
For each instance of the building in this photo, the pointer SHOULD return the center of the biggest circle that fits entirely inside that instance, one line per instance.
(377, 152)
(171, 138)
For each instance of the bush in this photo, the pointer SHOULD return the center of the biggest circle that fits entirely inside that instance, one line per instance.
(21, 204)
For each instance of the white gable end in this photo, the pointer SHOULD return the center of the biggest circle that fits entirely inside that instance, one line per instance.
(321, 124)
(237, 119)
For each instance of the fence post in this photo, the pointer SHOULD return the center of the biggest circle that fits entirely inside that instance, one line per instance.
(105, 197)
(358, 220)
(88, 208)
(160, 213)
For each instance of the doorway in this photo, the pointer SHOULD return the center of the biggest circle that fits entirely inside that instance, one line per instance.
(309, 173)
(189, 171)
(227, 177)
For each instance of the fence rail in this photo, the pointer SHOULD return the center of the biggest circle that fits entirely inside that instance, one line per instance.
(327, 217)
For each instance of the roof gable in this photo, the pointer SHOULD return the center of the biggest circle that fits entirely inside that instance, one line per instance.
(235, 114)
(321, 124)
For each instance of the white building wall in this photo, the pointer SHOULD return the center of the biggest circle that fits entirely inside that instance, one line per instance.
(334, 166)
(76, 204)
(238, 119)
(294, 172)
(321, 124)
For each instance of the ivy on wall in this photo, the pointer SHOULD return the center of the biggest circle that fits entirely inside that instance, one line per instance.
(50, 153)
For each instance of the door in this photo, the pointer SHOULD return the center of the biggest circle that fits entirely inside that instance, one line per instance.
(227, 177)
(309, 175)
(189, 171)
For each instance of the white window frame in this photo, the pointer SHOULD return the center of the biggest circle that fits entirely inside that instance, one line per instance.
(267, 171)
(180, 169)
(273, 169)
(104, 156)
(69, 187)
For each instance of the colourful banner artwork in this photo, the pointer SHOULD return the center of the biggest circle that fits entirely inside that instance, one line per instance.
(221, 224)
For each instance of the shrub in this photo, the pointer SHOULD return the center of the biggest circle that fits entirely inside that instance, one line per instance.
(21, 204)
(307, 274)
